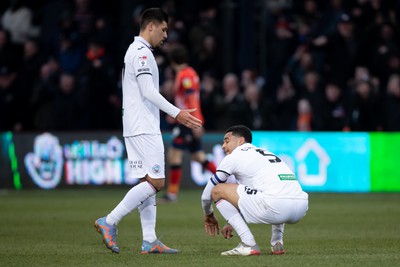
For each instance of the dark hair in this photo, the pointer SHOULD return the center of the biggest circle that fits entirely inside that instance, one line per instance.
(179, 54)
(241, 131)
(153, 14)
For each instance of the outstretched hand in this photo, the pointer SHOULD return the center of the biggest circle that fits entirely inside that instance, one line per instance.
(187, 119)
(211, 225)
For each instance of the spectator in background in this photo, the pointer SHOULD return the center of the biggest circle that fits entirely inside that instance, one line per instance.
(43, 94)
(249, 76)
(232, 107)
(363, 112)
(341, 49)
(281, 34)
(386, 46)
(10, 55)
(208, 58)
(331, 16)
(10, 105)
(17, 19)
(27, 76)
(104, 33)
(210, 98)
(83, 16)
(67, 105)
(255, 110)
(285, 106)
(310, 18)
(206, 26)
(391, 105)
(97, 80)
(312, 92)
(333, 112)
(50, 14)
(304, 116)
(362, 74)
(71, 52)
(299, 64)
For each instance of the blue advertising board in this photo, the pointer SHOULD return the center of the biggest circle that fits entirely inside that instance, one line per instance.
(323, 162)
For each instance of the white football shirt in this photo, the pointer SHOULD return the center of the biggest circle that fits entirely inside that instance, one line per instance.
(261, 170)
(141, 98)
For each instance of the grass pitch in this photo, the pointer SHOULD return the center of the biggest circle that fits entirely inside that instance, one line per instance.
(55, 228)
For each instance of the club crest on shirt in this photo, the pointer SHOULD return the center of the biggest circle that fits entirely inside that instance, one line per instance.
(143, 61)
(156, 168)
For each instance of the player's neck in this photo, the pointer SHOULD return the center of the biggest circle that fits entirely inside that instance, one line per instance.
(146, 37)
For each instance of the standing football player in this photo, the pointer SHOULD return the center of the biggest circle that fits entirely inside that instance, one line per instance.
(187, 96)
(142, 103)
(267, 192)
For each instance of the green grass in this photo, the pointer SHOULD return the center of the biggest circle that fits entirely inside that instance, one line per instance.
(55, 228)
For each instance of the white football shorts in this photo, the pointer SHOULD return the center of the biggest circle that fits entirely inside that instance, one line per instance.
(258, 208)
(146, 156)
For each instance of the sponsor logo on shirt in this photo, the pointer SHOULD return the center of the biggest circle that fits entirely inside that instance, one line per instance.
(287, 177)
(136, 164)
(143, 61)
(144, 69)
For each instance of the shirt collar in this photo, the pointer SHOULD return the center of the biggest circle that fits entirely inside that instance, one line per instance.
(142, 40)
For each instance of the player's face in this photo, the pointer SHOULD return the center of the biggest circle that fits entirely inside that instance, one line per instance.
(231, 142)
(159, 34)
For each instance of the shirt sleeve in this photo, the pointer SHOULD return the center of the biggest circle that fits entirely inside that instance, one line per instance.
(206, 198)
(148, 90)
(227, 166)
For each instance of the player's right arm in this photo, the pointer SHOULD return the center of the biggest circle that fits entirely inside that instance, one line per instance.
(146, 85)
(149, 91)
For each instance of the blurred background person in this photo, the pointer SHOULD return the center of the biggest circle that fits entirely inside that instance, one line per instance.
(333, 110)
(98, 82)
(67, 106)
(232, 107)
(10, 104)
(363, 111)
(391, 110)
(187, 96)
(210, 97)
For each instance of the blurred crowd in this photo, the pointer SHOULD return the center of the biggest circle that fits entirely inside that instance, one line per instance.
(322, 65)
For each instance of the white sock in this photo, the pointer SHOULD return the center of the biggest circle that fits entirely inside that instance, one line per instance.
(133, 199)
(234, 218)
(277, 233)
(148, 212)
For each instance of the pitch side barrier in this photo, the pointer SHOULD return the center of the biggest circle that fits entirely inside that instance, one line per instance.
(322, 161)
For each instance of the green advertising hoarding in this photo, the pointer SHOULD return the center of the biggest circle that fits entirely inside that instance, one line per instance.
(385, 162)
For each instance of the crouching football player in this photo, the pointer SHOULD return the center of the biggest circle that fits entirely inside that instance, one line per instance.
(267, 192)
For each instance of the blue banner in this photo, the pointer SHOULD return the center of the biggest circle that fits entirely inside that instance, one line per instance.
(323, 162)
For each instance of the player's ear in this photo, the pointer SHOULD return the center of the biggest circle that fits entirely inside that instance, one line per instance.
(150, 26)
(242, 140)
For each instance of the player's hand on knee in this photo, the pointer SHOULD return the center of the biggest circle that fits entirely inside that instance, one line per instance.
(227, 231)
(211, 225)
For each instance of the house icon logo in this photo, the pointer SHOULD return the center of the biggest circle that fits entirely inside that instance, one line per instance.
(304, 175)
